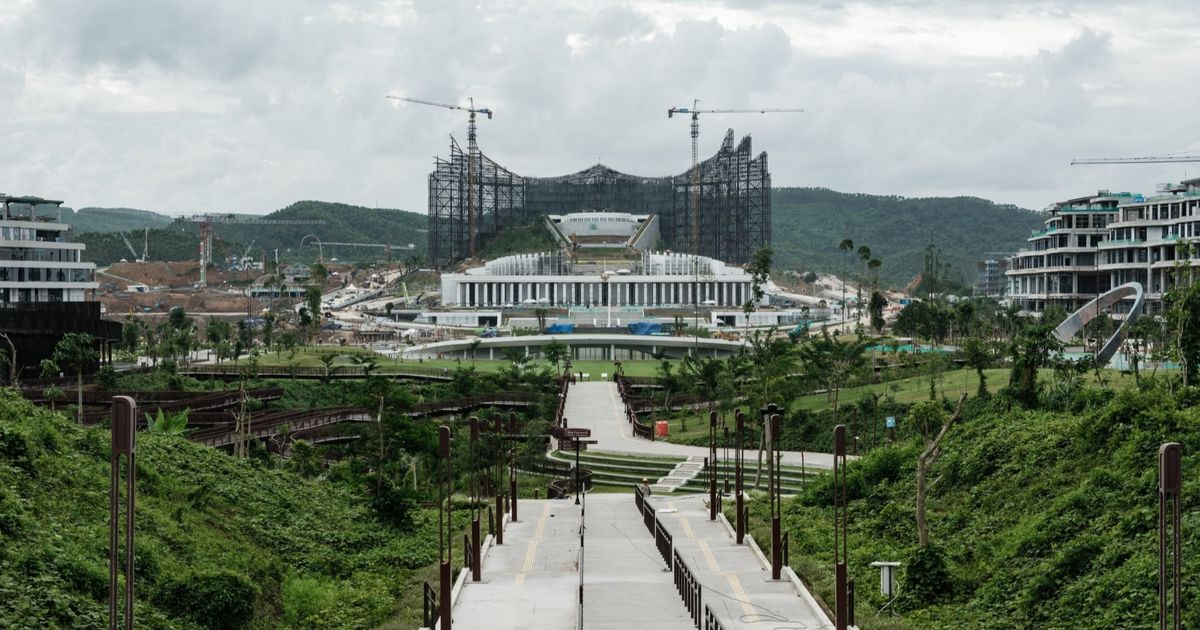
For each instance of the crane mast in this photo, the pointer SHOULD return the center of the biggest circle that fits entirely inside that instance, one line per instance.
(472, 160)
(695, 111)
(206, 222)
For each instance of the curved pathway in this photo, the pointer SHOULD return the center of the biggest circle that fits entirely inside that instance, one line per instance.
(597, 406)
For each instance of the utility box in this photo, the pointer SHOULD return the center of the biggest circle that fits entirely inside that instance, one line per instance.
(887, 578)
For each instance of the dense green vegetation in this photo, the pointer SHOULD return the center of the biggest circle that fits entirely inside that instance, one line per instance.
(518, 240)
(87, 220)
(1042, 517)
(808, 223)
(175, 241)
(222, 543)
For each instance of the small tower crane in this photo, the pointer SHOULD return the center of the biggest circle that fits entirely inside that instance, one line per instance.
(472, 159)
(695, 111)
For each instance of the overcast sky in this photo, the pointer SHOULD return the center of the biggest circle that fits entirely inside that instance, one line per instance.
(236, 105)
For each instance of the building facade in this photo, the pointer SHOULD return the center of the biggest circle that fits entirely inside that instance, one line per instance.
(45, 284)
(658, 279)
(1091, 244)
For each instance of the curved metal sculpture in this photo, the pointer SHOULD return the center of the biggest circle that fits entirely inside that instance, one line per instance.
(1077, 320)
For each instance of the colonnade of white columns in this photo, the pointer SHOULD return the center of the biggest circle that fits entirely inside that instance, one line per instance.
(490, 293)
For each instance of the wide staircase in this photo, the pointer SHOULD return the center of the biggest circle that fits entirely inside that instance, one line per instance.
(612, 471)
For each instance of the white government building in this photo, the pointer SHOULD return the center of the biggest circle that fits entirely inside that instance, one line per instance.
(37, 263)
(1093, 243)
(657, 279)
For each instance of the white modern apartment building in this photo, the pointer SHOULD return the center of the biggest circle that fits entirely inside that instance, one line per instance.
(657, 279)
(37, 264)
(1091, 244)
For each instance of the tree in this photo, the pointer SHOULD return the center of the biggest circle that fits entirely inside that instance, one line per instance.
(131, 334)
(76, 351)
(327, 359)
(268, 329)
(977, 355)
(540, 313)
(53, 394)
(556, 352)
(312, 302)
(319, 272)
(475, 343)
(926, 460)
(772, 359)
(389, 307)
(1183, 317)
(1031, 351)
(760, 271)
(876, 306)
(847, 245)
(178, 319)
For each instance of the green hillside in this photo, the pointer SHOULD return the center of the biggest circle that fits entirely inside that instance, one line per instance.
(1044, 518)
(221, 542)
(85, 220)
(343, 223)
(807, 225)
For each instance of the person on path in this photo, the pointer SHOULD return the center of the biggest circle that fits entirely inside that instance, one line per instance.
(645, 487)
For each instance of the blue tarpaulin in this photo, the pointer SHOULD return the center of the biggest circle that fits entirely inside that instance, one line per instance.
(560, 329)
(645, 328)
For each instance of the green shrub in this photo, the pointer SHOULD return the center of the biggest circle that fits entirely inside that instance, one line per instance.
(927, 578)
(218, 600)
(306, 597)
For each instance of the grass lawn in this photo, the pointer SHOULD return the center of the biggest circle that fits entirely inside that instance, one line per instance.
(310, 356)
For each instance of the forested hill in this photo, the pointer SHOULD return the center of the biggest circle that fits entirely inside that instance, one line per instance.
(807, 225)
(343, 223)
(86, 220)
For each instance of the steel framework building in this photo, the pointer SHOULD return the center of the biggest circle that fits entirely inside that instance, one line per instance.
(734, 214)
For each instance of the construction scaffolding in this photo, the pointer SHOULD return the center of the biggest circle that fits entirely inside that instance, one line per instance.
(735, 202)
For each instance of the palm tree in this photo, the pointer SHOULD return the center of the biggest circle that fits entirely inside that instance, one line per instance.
(847, 245)
(78, 352)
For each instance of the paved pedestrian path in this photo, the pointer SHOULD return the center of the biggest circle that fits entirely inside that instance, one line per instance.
(532, 580)
(736, 584)
(627, 584)
(596, 405)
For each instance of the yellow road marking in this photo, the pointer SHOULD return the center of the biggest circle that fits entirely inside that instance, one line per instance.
(520, 580)
(687, 528)
(712, 560)
(736, 585)
(529, 555)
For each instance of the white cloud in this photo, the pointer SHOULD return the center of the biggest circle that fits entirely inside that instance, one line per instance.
(219, 104)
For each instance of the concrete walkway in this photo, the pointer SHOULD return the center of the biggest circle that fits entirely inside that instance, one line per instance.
(626, 582)
(597, 406)
(531, 581)
(736, 583)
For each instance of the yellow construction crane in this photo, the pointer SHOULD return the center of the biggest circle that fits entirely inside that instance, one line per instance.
(472, 158)
(695, 111)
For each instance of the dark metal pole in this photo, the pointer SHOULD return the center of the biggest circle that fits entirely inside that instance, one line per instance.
(776, 533)
(712, 465)
(512, 466)
(476, 563)
(841, 603)
(739, 425)
(1170, 487)
(499, 427)
(577, 489)
(445, 525)
(123, 434)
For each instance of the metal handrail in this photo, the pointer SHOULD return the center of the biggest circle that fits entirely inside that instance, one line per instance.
(688, 587)
(663, 540)
(429, 615)
(711, 622)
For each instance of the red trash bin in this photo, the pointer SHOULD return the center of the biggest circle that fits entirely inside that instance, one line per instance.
(660, 429)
